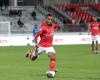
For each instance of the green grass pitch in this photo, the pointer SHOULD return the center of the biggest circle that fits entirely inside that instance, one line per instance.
(74, 62)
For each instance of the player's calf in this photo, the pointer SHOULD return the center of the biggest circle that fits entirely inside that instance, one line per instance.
(35, 54)
(93, 46)
(33, 58)
(52, 61)
(29, 53)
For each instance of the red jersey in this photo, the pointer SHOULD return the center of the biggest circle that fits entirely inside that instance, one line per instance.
(94, 28)
(46, 35)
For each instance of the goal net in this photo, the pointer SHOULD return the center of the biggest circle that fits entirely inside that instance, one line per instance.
(5, 28)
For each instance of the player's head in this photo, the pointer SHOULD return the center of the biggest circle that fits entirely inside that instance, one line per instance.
(49, 19)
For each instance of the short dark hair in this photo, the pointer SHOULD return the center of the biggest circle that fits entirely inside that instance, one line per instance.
(48, 15)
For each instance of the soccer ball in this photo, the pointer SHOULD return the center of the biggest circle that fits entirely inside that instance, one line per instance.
(51, 74)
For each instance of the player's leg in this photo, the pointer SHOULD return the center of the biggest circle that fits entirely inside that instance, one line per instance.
(29, 54)
(52, 55)
(93, 44)
(96, 47)
(52, 63)
(34, 55)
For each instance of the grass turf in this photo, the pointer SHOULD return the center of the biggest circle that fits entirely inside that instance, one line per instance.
(74, 62)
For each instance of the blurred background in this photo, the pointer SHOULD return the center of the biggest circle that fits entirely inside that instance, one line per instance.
(71, 15)
(75, 61)
(19, 17)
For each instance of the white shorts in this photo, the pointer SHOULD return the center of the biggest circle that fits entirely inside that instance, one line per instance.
(45, 49)
(94, 38)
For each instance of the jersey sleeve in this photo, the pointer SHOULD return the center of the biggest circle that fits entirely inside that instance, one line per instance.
(40, 31)
(56, 26)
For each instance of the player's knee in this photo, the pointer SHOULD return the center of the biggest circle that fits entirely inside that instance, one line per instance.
(33, 58)
(52, 55)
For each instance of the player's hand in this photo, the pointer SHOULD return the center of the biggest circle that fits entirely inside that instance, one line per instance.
(37, 45)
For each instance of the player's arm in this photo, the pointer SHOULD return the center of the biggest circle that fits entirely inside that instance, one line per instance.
(36, 37)
(57, 27)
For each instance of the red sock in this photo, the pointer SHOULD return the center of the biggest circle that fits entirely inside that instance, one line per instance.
(52, 64)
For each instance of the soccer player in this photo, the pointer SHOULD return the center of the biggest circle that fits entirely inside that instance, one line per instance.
(35, 30)
(94, 30)
(45, 44)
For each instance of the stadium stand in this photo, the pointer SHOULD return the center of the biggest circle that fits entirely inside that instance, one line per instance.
(26, 18)
(71, 16)
(75, 11)
(95, 6)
